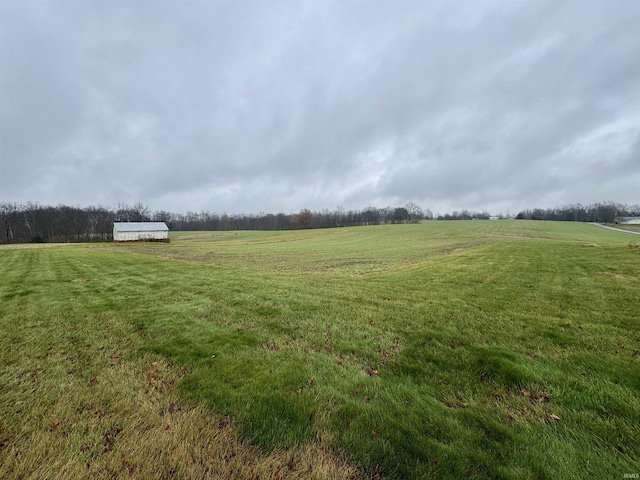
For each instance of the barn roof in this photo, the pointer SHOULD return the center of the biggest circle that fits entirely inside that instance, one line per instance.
(140, 226)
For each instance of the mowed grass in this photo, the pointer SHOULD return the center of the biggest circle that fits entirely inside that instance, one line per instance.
(496, 349)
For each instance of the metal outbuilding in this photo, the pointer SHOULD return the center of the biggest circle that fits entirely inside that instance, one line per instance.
(140, 232)
(628, 220)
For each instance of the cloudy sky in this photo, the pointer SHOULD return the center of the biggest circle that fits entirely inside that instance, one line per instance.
(274, 106)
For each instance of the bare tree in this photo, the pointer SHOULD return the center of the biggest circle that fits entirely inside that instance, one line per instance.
(415, 212)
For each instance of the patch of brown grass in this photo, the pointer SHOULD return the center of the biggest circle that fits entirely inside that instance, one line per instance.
(128, 422)
(524, 405)
(619, 276)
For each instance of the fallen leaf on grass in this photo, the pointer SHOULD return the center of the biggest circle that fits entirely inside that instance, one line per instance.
(109, 438)
(536, 396)
(224, 423)
(553, 416)
(544, 396)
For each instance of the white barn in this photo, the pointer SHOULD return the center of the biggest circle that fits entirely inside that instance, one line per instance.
(628, 220)
(140, 232)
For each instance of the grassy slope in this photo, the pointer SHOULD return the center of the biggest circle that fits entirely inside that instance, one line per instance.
(78, 397)
(480, 349)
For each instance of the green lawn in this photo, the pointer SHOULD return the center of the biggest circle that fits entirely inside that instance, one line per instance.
(487, 349)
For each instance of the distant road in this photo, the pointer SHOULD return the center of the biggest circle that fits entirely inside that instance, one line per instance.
(615, 229)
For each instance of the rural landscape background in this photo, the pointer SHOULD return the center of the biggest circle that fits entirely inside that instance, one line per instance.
(30, 222)
(440, 349)
(382, 263)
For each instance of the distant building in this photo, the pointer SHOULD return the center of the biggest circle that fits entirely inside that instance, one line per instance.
(628, 220)
(140, 232)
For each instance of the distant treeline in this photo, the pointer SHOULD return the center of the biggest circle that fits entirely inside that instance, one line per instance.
(598, 212)
(25, 223)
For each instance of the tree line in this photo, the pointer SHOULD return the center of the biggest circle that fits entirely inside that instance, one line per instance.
(599, 212)
(34, 223)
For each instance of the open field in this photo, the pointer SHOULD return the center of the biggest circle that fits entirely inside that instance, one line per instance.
(493, 349)
(631, 228)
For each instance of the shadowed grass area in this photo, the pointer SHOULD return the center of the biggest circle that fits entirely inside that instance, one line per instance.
(83, 396)
(446, 349)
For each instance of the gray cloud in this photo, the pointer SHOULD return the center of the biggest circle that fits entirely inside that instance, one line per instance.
(276, 106)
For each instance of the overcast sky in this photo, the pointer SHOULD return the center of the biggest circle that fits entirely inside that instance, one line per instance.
(274, 106)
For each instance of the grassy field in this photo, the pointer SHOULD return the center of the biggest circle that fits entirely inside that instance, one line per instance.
(489, 349)
(631, 228)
